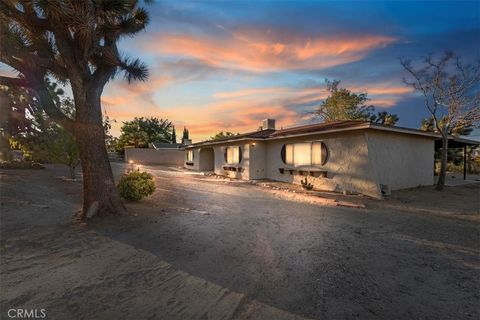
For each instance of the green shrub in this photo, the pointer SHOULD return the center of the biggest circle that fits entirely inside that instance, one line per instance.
(136, 185)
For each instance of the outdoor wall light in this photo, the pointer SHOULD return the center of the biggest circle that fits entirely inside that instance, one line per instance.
(253, 144)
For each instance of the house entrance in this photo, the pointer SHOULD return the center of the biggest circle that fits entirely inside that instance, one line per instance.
(207, 159)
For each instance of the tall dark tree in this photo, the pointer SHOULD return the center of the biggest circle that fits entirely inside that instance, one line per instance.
(174, 135)
(74, 41)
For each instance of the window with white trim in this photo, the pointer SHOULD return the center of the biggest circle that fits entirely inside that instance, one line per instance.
(190, 155)
(306, 154)
(233, 155)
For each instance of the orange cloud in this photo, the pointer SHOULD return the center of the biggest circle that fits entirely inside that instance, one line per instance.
(237, 111)
(382, 89)
(384, 95)
(122, 93)
(203, 121)
(268, 52)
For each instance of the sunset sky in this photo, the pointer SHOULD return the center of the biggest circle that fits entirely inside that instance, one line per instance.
(224, 65)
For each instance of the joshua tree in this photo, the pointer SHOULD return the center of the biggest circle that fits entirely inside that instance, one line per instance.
(451, 95)
(74, 41)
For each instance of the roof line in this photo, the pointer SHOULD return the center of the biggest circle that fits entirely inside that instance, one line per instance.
(358, 127)
(361, 125)
(200, 144)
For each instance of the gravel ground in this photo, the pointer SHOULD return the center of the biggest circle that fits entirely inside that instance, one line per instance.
(201, 248)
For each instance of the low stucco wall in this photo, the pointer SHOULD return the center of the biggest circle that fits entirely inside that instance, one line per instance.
(152, 156)
(401, 161)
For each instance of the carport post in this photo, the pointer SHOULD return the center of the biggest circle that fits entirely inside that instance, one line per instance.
(465, 162)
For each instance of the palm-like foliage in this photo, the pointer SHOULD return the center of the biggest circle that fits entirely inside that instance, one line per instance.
(75, 42)
(70, 40)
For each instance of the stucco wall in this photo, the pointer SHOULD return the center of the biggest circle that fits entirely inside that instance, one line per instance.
(219, 160)
(348, 167)
(192, 165)
(152, 156)
(244, 164)
(257, 160)
(400, 160)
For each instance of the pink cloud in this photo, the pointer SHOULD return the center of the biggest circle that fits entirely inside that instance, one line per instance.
(257, 50)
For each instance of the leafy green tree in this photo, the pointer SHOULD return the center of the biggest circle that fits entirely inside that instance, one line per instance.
(385, 118)
(46, 141)
(14, 105)
(110, 140)
(141, 131)
(342, 104)
(223, 135)
(60, 147)
(74, 41)
(428, 124)
(20, 109)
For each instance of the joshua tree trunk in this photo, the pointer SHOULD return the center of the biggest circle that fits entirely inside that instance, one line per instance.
(100, 195)
(443, 163)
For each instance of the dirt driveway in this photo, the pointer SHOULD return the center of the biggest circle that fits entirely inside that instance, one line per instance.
(201, 248)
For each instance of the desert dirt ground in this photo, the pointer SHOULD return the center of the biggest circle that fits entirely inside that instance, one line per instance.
(205, 248)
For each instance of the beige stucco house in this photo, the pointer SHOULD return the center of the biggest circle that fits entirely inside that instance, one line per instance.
(347, 156)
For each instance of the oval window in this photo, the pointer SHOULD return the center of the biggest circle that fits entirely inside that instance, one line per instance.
(305, 153)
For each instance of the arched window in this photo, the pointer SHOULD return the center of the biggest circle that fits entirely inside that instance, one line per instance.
(305, 154)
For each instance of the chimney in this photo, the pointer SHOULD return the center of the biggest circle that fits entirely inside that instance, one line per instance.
(268, 124)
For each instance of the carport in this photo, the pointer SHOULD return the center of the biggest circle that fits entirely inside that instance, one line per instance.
(459, 143)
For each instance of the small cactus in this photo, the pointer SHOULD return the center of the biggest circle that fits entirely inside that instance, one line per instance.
(306, 185)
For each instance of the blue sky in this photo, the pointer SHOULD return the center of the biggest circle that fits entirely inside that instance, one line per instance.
(226, 65)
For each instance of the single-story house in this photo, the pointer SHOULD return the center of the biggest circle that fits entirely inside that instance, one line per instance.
(346, 156)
